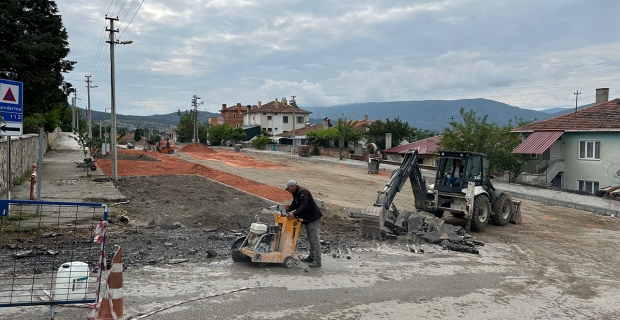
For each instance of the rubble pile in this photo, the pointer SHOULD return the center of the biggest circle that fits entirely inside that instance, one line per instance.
(433, 230)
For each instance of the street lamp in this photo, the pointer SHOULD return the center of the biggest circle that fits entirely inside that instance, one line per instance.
(113, 42)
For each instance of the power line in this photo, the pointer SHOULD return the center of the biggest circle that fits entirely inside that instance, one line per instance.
(121, 9)
(114, 8)
(134, 15)
(127, 12)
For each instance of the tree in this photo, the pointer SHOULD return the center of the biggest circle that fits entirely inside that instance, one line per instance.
(219, 132)
(259, 142)
(185, 128)
(137, 135)
(238, 134)
(477, 135)
(400, 131)
(321, 136)
(33, 51)
(347, 133)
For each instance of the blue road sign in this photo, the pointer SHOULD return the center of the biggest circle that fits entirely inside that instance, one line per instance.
(11, 107)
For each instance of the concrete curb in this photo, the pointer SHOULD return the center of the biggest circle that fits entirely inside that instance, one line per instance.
(571, 205)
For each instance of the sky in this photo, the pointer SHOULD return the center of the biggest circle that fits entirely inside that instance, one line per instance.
(528, 53)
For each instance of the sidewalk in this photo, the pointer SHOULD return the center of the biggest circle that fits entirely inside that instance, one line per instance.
(592, 204)
(62, 180)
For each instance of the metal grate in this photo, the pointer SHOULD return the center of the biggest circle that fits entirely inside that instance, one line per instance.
(47, 252)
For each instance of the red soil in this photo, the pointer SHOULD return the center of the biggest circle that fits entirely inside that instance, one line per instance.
(197, 148)
(171, 165)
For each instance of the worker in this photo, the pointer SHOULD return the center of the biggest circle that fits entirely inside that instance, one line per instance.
(304, 207)
(456, 174)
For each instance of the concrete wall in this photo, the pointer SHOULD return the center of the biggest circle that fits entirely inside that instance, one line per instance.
(604, 171)
(24, 153)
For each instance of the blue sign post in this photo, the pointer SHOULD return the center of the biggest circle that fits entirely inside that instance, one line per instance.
(11, 108)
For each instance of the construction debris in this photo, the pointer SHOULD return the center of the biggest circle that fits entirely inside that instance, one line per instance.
(430, 229)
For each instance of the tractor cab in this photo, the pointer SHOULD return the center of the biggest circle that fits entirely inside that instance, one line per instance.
(456, 169)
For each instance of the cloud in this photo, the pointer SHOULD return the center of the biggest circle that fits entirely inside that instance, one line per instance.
(529, 53)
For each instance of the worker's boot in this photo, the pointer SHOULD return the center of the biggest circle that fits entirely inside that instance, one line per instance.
(315, 264)
(308, 259)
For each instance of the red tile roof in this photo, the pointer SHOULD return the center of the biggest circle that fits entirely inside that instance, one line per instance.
(601, 117)
(538, 142)
(234, 108)
(271, 107)
(424, 146)
(300, 131)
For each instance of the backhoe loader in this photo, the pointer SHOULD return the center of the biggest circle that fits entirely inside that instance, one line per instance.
(471, 195)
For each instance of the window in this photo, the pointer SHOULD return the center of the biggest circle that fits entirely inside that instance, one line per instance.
(300, 119)
(589, 186)
(533, 155)
(284, 119)
(590, 150)
(268, 117)
(269, 129)
(238, 125)
(234, 115)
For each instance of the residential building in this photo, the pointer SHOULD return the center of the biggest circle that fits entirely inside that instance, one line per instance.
(576, 151)
(427, 151)
(276, 116)
(231, 115)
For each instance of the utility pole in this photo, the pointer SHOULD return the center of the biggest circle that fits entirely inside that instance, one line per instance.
(75, 112)
(294, 104)
(90, 124)
(113, 97)
(195, 104)
(576, 93)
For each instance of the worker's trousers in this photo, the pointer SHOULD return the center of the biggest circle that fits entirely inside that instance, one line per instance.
(312, 233)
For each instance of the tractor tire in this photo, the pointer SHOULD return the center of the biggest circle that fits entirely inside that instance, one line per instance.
(235, 254)
(502, 209)
(170, 151)
(482, 212)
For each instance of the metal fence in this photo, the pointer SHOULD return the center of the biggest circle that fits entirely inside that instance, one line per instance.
(50, 252)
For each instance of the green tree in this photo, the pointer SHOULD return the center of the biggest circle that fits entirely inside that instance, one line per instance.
(238, 134)
(321, 136)
(346, 133)
(259, 142)
(137, 135)
(33, 51)
(185, 128)
(218, 132)
(477, 135)
(400, 131)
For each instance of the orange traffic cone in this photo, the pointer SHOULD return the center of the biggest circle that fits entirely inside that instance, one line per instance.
(112, 303)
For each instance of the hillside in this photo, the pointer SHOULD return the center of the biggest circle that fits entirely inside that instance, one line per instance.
(429, 114)
(157, 121)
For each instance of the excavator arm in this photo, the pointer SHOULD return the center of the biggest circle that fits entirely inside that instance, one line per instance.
(375, 217)
(409, 168)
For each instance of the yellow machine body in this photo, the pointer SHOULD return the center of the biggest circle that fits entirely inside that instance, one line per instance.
(274, 244)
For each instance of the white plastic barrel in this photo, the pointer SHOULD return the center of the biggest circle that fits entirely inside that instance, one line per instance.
(71, 281)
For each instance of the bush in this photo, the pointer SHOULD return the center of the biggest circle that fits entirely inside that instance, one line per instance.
(315, 151)
(260, 142)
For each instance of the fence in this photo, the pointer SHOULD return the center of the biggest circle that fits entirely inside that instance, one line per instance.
(50, 252)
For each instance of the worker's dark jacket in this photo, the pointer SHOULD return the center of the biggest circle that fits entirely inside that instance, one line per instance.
(304, 206)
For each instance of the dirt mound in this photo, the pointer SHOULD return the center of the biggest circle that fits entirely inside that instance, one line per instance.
(197, 148)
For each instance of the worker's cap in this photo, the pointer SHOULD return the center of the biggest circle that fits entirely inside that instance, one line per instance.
(290, 183)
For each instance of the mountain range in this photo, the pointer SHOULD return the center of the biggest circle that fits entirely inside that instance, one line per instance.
(428, 114)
